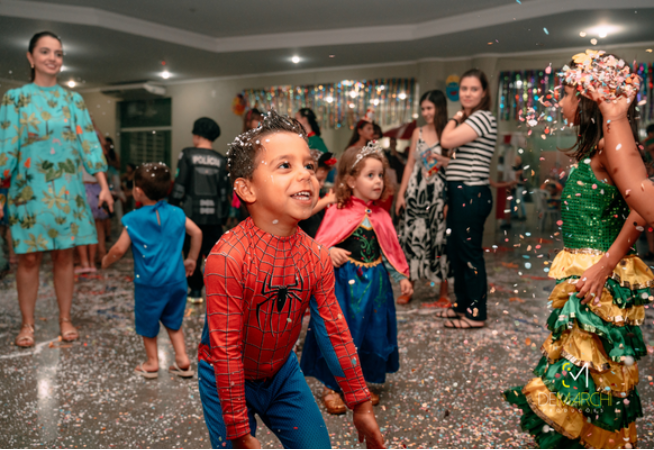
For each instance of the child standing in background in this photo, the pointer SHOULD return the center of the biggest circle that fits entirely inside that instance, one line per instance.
(364, 248)
(156, 234)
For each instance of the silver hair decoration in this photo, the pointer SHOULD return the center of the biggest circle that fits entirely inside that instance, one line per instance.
(373, 148)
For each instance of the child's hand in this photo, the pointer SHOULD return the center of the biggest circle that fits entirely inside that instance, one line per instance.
(330, 198)
(366, 425)
(592, 281)
(189, 266)
(338, 256)
(612, 109)
(406, 287)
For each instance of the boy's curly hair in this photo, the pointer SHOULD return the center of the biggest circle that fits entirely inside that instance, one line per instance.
(243, 151)
(350, 165)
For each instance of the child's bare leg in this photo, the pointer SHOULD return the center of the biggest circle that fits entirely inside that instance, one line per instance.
(152, 364)
(650, 241)
(177, 339)
(83, 252)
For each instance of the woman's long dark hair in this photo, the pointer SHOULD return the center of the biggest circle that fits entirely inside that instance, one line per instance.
(485, 103)
(591, 131)
(308, 114)
(440, 103)
(35, 40)
(355, 135)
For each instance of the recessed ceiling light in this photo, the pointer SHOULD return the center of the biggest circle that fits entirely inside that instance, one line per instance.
(295, 59)
(593, 41)
(582, 34)
(165, 74)
(71, 84)
(603, 31)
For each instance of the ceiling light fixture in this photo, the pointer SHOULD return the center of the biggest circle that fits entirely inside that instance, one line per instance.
(582, 34)
(603, 31)
(295, 59)
(165, 74)
(71, 84)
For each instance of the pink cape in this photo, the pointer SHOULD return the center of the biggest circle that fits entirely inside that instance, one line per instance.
(340, 223)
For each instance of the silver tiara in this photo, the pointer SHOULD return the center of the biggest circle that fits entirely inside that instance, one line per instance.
(372, 148)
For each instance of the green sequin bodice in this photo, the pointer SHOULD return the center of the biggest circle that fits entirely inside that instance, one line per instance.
(593, 212)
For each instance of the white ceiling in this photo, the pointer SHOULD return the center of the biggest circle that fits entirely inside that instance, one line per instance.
(115, 41)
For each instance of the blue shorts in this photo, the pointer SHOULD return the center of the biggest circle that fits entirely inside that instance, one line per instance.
(4, 195)
(154, 304)
(284, 403)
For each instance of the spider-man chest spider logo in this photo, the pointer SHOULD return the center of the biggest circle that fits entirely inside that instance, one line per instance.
(276, 298)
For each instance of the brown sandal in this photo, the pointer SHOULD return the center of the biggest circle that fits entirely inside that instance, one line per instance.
(69, 336)
(403, 299)
(333, 402)
(26, 333)
(447, 314)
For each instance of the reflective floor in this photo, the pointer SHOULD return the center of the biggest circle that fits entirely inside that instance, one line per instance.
(447, 393)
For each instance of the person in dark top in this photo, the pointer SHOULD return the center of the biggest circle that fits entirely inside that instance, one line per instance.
(203, 190)
(395, 160)
(326, 163)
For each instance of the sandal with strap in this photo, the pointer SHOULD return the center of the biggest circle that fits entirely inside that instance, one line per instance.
(71, 335)
(183, 373)
(403, 299)
(447, 314)
(145, 374)
(25, 336)
(459, 324)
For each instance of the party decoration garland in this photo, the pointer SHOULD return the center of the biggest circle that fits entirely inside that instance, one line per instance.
(344, 103)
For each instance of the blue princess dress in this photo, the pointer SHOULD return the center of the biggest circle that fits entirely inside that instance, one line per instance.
(365, 295)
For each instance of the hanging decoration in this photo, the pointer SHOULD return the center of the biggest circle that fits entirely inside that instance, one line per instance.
(521, 90)
(344, 103)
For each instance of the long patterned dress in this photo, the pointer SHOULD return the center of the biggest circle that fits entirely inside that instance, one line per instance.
(422, 231)
(585, 392)
(46, 137)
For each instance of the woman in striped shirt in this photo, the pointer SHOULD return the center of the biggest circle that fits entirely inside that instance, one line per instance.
(473, 134)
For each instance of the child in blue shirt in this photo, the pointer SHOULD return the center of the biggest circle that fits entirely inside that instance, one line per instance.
(156, 234)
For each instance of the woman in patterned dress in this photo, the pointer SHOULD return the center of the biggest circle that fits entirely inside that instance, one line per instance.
(46, 137)
(422, 195)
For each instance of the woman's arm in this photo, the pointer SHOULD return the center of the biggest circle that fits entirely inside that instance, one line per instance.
(454, 136)
(593, 279)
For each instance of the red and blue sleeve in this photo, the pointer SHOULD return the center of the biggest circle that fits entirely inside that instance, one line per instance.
(334, 338)
(224, 287)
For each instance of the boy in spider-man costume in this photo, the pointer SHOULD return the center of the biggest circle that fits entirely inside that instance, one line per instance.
(260, 278)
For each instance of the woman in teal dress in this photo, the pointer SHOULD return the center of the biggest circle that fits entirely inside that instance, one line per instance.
(46, 137)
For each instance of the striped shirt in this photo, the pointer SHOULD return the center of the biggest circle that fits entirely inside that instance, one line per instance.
(471, 162)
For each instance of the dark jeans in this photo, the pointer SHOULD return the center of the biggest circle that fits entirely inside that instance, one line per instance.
(210, 235)
(469, 206)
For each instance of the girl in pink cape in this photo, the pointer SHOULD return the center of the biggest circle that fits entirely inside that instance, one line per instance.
(365, 250)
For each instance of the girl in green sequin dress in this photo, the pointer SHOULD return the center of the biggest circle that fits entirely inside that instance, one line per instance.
(46, 137)
(585, 392)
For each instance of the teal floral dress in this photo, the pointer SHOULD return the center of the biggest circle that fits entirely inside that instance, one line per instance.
(46, 137)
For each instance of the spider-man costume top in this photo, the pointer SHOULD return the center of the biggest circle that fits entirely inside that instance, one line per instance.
(258, 288)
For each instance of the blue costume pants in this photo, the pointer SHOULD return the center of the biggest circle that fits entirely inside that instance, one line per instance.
(284, 403)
